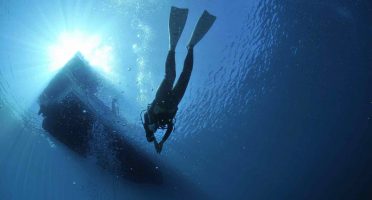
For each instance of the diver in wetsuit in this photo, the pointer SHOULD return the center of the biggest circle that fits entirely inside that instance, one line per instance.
(161, 112)
(115, 107)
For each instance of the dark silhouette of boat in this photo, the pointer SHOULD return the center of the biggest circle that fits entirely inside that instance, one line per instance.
(76, 117)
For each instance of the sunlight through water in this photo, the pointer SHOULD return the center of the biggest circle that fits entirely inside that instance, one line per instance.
(97, 53)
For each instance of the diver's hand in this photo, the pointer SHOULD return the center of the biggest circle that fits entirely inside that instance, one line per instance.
(158, 146)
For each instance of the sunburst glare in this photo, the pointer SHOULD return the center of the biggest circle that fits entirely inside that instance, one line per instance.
(92, 47)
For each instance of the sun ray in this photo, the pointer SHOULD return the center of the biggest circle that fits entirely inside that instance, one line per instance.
(92, 47)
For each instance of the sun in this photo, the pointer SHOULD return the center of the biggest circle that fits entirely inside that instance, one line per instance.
(92, 47)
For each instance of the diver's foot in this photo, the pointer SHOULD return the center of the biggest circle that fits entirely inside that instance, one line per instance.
(172, 48)
(203, 25)
(177, 21)
(172, 51)
(190, 47)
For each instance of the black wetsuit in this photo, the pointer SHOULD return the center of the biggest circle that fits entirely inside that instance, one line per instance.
(165, 105)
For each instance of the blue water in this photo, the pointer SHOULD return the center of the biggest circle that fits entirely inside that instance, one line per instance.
(279, 105)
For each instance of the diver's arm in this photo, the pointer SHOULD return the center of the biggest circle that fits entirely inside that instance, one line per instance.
(159, 146)
(167, 133)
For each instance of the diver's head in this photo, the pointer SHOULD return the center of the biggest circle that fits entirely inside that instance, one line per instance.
(153, 127)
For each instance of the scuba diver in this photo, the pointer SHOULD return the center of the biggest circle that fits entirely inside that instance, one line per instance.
(161, 112)
(115, 107)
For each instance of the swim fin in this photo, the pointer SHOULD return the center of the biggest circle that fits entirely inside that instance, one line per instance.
(177, 21)
(205, 22)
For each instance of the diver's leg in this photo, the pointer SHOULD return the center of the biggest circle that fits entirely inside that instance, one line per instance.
(170, 75)
(181, 85)
(177, 21)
